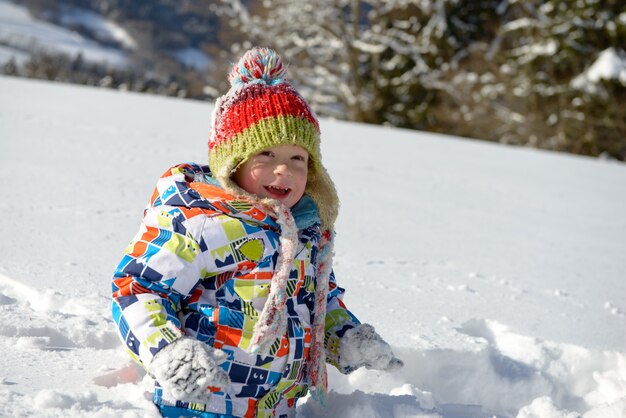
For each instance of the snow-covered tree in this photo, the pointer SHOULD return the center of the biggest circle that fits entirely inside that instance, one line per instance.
(368, 60)
(501, 70)
(544, 57)
(325, 45)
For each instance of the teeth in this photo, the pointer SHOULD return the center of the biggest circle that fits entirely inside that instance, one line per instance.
(278, 190)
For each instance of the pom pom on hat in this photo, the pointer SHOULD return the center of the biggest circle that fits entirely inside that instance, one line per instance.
(258, 65)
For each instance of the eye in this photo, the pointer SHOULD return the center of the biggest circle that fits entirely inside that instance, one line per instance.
(266, 153)
(299, 158)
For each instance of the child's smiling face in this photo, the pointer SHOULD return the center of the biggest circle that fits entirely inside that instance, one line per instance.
(278, 172)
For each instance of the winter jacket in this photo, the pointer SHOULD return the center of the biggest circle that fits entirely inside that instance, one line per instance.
(200, 266)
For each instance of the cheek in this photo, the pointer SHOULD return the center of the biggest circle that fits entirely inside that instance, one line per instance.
(253, 179)
(246, 178)
(302, 178)
(256, 174)
(305, 172)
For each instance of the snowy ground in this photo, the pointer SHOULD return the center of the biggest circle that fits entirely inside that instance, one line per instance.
(497, 273)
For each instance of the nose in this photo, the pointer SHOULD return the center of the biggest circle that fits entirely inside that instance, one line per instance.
(282, 169)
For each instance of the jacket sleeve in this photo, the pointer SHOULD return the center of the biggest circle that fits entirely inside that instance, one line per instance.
(161, 266)
(338, 320)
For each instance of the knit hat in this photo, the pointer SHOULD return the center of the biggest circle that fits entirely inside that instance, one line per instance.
(262, 110)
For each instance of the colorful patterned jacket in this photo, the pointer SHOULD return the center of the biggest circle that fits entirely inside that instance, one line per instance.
(200, 266)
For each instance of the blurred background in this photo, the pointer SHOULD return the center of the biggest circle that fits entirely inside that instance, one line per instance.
(541, 73)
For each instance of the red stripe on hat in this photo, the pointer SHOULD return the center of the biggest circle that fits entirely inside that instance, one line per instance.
(257, 104)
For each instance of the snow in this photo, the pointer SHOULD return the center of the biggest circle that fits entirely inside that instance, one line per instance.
(610, 65)
(528, 53)
(517, 24)
(104, 29)
(8, 53)
(542, 407)
(194, 58)
(496, 273)
(24, 34)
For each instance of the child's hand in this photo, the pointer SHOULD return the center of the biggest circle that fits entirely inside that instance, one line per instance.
(189, 370)
(362, 346)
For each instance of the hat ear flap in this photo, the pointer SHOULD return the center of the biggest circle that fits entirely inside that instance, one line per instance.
(322, 190)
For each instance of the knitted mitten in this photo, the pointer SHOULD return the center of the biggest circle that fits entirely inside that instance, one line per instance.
(362, 346)
(186, 368)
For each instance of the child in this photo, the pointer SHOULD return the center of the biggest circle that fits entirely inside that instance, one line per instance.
(226, 295)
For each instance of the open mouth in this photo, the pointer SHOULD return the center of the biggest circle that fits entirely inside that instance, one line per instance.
(277, 191)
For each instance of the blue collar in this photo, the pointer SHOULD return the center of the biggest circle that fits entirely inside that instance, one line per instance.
(305, 212)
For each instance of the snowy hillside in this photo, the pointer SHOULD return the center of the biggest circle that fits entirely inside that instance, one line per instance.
(21, 36)
(497, 273)
(78, 31)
